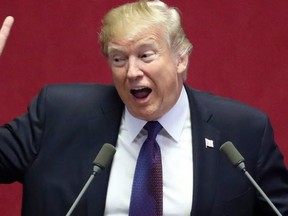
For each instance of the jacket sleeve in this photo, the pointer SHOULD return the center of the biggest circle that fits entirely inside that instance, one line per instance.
(272, 175)
(20, 139)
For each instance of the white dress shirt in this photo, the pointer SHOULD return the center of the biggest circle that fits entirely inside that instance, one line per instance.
(175, 141)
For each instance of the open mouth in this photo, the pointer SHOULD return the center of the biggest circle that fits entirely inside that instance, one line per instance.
(140, 93)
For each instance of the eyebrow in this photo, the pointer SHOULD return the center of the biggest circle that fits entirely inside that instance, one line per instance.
(114, 50)
(138, 45)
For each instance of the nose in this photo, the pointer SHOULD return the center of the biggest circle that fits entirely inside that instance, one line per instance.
(133, 70)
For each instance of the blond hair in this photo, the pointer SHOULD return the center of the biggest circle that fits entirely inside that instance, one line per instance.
(131, 19)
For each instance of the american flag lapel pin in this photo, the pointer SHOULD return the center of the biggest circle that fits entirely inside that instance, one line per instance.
(209, 143)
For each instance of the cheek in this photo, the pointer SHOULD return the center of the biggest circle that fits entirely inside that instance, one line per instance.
(167, 78)
(118, 75)
(119, 82)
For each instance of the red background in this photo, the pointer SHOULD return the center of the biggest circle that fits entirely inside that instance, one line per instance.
(240, 51)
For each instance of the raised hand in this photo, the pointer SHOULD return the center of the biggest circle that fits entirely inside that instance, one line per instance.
(4, 31)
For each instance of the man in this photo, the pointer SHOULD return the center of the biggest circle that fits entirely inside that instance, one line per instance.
(50, 149)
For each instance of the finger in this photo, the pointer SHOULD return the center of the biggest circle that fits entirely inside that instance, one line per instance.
(4, 32)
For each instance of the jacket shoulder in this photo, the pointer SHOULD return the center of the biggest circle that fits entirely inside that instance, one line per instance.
(59, 98)
(73, 93)
(224, 106)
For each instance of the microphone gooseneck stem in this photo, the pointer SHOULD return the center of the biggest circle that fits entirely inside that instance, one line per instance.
(237, 160)
(102, 160)
(262, 192)
(81, 193)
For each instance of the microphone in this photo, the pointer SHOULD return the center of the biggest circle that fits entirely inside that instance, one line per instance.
(102, 160)
(233, 155)
(237, 160)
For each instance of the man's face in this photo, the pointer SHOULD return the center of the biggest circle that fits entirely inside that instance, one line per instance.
(146, 74)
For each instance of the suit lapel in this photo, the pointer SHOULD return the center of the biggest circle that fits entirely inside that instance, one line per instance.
(104, 128)
(205, 158)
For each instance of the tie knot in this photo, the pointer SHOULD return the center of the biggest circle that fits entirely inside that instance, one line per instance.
(153, 128)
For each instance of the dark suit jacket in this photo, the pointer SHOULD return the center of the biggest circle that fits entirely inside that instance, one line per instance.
(51, 149)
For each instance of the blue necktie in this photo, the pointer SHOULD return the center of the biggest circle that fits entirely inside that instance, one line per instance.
(147, 190)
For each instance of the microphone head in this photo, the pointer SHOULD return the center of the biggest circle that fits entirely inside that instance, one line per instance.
(105, 156)
(232, 153)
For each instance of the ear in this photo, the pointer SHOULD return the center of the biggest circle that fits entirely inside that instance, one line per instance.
(182, 64)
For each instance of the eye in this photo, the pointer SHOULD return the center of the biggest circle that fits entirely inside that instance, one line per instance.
(118, 60)
(148, 56)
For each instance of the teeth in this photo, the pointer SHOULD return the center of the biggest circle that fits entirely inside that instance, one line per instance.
(138, 88)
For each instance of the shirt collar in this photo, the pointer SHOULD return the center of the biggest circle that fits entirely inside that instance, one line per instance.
(178, 113)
